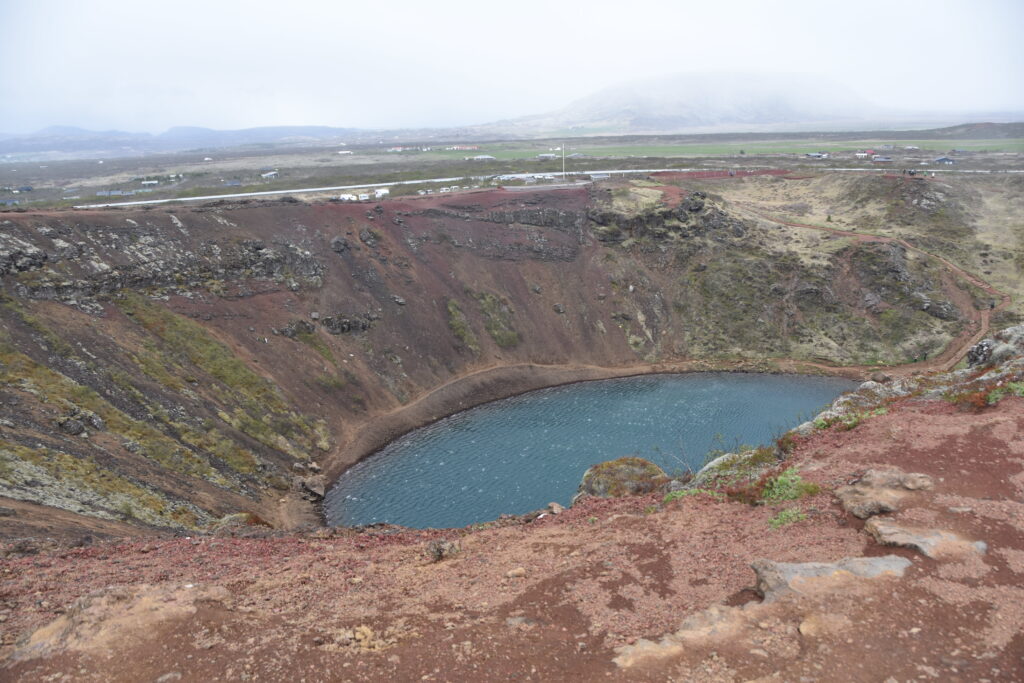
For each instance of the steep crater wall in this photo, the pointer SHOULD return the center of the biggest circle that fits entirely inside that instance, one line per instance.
(231, 352)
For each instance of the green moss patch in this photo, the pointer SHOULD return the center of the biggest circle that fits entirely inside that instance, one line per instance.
(459, 326)
(497, 314)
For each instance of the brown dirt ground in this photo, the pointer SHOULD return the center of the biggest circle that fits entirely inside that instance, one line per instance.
(597, 577)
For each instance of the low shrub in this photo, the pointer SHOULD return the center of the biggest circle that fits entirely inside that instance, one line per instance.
(686, 493)
(788, 485)
(787, 517)
(773, 486)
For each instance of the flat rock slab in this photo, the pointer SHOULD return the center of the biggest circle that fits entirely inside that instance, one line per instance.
(933, 543)
(775, 579)
(816, 581)
(880, 490)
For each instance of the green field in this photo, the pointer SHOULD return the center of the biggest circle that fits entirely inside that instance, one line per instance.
(526, 150)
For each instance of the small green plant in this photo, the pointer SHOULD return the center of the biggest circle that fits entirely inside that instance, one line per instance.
(686, 493)
(460, 326)
(824, 422)
(315, 342)
(788, 485)
(330, 382)
(999, 393)
(592, 520)
(787, 517)
(848, 421)
(497, 314)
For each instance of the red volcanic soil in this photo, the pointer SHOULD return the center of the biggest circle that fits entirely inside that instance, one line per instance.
(559, 598)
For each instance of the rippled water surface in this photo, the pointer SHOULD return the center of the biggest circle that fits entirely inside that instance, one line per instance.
(521, 453)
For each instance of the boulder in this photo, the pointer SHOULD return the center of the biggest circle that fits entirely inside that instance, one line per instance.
(297, 327)
(340, 324)
(314, 487)
(629, 476)
(89, 419)
(441, 549)
(367, 238)
(1003, 345)
(70, 425)
(339, 244)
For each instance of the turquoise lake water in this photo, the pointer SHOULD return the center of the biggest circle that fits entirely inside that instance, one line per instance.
(521, 453)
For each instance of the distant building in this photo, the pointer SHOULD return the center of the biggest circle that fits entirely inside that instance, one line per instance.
(480, 157)
(364, 197)
(861, 155)
(150, 182)
(233, 183)
(547, 157)
(817, 155)
(345, 151)
(347, 197)
(381, 192)
(268, 175)
(944, 160)
(879, 159)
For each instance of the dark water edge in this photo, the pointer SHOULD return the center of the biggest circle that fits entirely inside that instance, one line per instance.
(520, 453)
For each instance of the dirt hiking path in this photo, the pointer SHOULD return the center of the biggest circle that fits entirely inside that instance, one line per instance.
(979, 321)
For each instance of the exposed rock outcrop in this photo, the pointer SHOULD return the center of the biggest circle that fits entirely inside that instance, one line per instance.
(629, 476)
(1003, 346)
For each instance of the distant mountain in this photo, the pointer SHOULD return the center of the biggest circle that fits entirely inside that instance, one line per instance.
(68, 141)
(205, 137)
(680, 104)
(704, 102)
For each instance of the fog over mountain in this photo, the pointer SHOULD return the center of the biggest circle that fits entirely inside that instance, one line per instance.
(693, 102)
(233, 65)
(680, 103)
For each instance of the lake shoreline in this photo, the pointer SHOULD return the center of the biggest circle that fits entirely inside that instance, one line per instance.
(503, 382)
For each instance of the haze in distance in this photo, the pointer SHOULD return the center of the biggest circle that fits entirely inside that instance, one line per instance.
(207, 74)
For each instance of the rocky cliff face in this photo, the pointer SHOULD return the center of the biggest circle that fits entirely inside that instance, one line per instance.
(228, 351)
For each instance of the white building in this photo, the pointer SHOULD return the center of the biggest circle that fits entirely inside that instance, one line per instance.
(347, 197)
(381, 192)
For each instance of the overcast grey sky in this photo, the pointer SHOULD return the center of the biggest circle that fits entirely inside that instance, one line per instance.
(147, 65)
